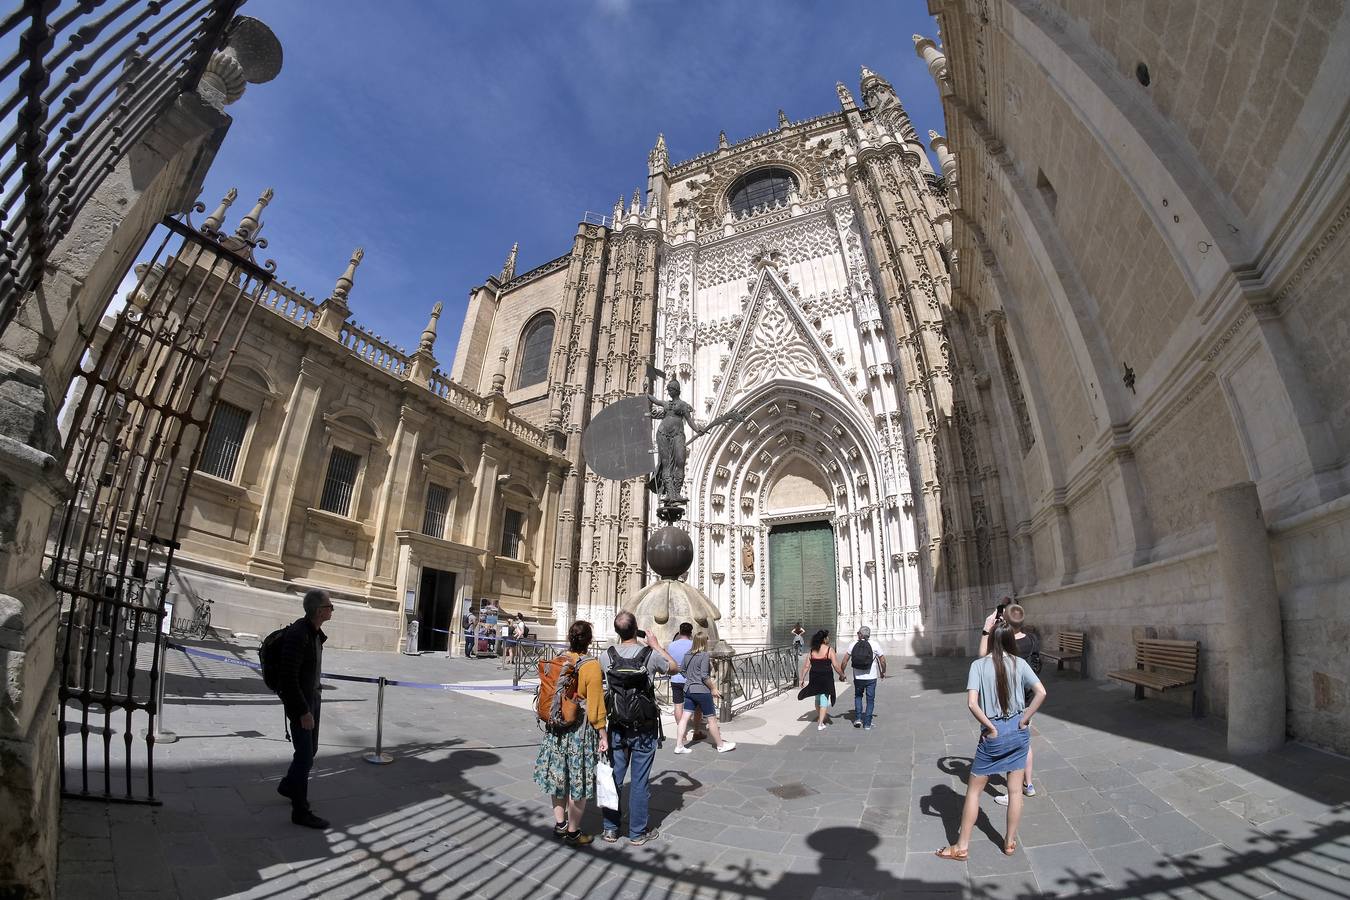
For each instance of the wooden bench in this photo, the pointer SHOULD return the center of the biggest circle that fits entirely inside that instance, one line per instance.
(1164, 666)
(1069, 649)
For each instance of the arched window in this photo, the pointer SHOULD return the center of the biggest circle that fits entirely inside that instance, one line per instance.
(758, 189)
(535, 344)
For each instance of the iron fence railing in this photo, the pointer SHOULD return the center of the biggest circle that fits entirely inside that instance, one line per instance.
(81, 84)
(748, 679)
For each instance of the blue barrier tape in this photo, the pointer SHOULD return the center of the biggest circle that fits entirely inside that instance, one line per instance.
(333, 676)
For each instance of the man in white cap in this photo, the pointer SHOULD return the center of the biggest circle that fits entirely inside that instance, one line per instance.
(868, 661)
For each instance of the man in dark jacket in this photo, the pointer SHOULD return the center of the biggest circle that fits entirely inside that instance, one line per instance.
(301, 661)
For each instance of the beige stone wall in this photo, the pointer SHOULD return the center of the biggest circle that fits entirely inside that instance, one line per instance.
(1232, 76)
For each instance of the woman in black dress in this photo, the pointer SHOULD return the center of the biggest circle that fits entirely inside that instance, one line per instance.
(818, 675)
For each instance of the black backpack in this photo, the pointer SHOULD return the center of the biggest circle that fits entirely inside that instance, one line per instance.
(630, 697)
(269, 654)
(861, 656)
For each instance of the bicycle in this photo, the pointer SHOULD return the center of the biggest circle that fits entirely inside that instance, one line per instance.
(200, 623)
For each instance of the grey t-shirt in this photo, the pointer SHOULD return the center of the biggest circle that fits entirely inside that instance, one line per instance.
(697, 667)
(678, 649)
(982, 678)
(656, 663)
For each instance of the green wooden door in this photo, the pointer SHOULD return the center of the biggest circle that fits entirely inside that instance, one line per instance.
(802, 586)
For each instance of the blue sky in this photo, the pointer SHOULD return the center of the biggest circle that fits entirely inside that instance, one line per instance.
(434, 134)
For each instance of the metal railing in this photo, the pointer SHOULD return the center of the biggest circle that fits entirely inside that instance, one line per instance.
(81, 87)
(748, 679)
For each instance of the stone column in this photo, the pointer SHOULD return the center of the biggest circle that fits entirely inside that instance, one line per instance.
(269, 541)
(1254, 630)
(484, 498)
(382, 569)
(544, 543)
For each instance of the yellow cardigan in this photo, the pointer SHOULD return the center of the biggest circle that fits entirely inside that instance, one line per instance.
(591, 689)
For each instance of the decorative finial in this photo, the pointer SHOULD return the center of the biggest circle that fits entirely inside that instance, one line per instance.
(722, 141)
(251, 224)
(345, 280)
(783, 119)
(659, 158)
(845, 96)
(867, 73)
(636, 205)
(499, 377)
(429, 333)
(251, 55)
(933, 135)
(217, 218)
(618, 209)
(509, 267)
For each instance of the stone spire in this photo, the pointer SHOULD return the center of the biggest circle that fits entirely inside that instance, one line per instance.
(424, 360)
(509, 267)
(783, 119)
(428, 340)
(927, 50)
(217, 218)
(333, 312)
(722, 141)
(659, 159)
(845, 96)
(618, 210)
(251, 224)
(636, 205)
(343, 287)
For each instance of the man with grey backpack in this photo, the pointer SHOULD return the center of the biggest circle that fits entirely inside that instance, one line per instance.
(868, 661)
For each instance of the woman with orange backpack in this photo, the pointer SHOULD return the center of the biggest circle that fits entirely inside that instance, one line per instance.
(571, 707)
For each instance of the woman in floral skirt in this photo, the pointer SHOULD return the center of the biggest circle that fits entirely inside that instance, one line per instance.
(565, 767)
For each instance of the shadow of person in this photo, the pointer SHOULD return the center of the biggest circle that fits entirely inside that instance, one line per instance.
(668, 792)
(947, 804)
(960, 767)
(847, 863)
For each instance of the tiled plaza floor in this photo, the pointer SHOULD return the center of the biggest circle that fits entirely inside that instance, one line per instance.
(1137, 799)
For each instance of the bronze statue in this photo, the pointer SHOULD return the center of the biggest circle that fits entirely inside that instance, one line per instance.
(671, 444)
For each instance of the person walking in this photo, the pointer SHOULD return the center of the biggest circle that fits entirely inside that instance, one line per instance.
(1028, 648)
(798, 638)
(679, 649)
(867, 659)
(470, 631)
(565, 766)
(996, 690)
(701, 693)
(817, 673)
(300, 662)
(631, 667)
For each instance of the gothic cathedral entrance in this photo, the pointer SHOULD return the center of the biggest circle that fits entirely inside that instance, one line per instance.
(802, 585)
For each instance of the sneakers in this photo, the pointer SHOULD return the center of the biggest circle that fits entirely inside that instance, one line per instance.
(610, 836)
(1001, 799)
(727, 747)
(820, 727)
(857, 723)
(307, 818)
(867, 728)
(560, 829)
(577, 839)
(647, 836)
(1028, 790)
(683, 749)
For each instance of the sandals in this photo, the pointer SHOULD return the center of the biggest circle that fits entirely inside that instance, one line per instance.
(1010, 848)
(953, 853)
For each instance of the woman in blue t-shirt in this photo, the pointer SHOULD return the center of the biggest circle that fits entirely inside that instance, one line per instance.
(996, 691)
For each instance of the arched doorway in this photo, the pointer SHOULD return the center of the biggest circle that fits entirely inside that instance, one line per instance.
(802, 585)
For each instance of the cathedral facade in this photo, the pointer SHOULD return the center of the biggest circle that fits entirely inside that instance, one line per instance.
(797, 277)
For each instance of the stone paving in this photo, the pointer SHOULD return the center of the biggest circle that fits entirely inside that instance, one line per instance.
(1137, 799)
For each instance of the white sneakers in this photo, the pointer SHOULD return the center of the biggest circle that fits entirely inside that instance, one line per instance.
(820, 727)
(727, 747)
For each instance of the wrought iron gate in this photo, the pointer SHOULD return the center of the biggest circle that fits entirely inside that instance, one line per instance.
(142, 406)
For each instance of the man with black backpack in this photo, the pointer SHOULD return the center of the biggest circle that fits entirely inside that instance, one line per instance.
(292, 659)
(630, 668)
(868, 662)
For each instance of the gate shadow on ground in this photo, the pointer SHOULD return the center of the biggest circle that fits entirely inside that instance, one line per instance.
(427, 827)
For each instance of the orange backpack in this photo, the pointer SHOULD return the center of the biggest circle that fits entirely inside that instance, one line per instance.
(555, 702)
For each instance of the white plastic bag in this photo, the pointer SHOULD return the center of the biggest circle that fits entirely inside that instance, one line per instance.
(606, 791)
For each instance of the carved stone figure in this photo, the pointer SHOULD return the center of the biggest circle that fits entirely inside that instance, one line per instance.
(671, 445)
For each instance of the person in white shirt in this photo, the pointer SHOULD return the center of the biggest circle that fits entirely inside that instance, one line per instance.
(868, 661)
